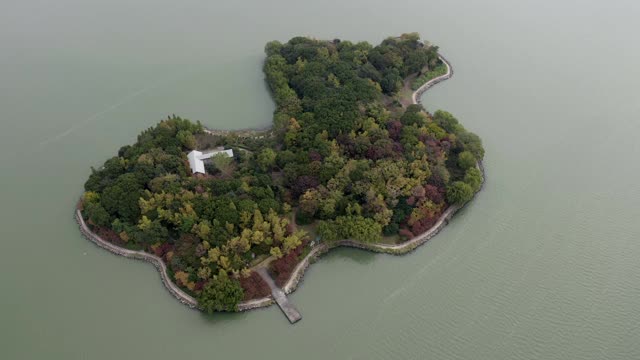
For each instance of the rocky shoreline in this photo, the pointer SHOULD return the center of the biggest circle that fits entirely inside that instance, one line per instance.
(173, 289)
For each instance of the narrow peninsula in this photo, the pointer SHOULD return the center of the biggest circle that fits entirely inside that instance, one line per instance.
(232, 219)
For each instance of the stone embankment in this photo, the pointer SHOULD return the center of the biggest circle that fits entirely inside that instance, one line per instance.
(415, 97)
(138, 255)
(159, 264)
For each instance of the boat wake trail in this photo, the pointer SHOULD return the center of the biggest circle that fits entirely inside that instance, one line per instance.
(127, 99)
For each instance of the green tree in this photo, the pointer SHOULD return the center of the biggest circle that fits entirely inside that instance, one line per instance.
(223, 162)
(221, 293)
(266, 159)
(359, 228)
(391, 81)
(472, 143)
(273, 48)
(459, 193)
(446, 121)
(151, 231)
(413, 115)
(275, 252)
(187, 139)
(327, 231)
(473, 177)
(268, 203)
(97, 214)
(466, 160)
(121, 199)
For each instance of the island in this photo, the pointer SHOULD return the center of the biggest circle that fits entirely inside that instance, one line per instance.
(232, 219)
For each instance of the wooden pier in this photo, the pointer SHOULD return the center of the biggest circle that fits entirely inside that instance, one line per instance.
(289, 310)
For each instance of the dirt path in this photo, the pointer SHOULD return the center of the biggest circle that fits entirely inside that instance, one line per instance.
(406, 94)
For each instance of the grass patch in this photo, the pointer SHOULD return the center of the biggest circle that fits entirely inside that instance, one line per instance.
(390, 240)
(422, 79)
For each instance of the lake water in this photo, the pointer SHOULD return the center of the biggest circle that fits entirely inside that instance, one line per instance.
(542, 265)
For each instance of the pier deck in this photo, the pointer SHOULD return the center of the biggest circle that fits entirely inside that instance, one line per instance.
(289, 310)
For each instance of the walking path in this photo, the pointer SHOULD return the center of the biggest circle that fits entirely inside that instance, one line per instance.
(415, 97)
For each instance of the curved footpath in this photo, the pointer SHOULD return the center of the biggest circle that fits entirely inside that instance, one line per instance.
(298, 273)
(415, 97)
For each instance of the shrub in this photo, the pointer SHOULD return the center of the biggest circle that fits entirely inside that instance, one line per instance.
(466, 160)
(254, 286)
(459, 193)
(221, 294)
(473, 177)
(283, 267)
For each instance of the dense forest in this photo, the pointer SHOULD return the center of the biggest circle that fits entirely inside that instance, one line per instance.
(345, 159)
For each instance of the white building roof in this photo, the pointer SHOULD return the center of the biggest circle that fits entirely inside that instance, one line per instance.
(196, 159)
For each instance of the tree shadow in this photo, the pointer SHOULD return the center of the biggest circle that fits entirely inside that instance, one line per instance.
(221, 318)
(358, 255)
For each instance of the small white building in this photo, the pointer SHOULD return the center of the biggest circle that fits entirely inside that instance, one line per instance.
(196, 158)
